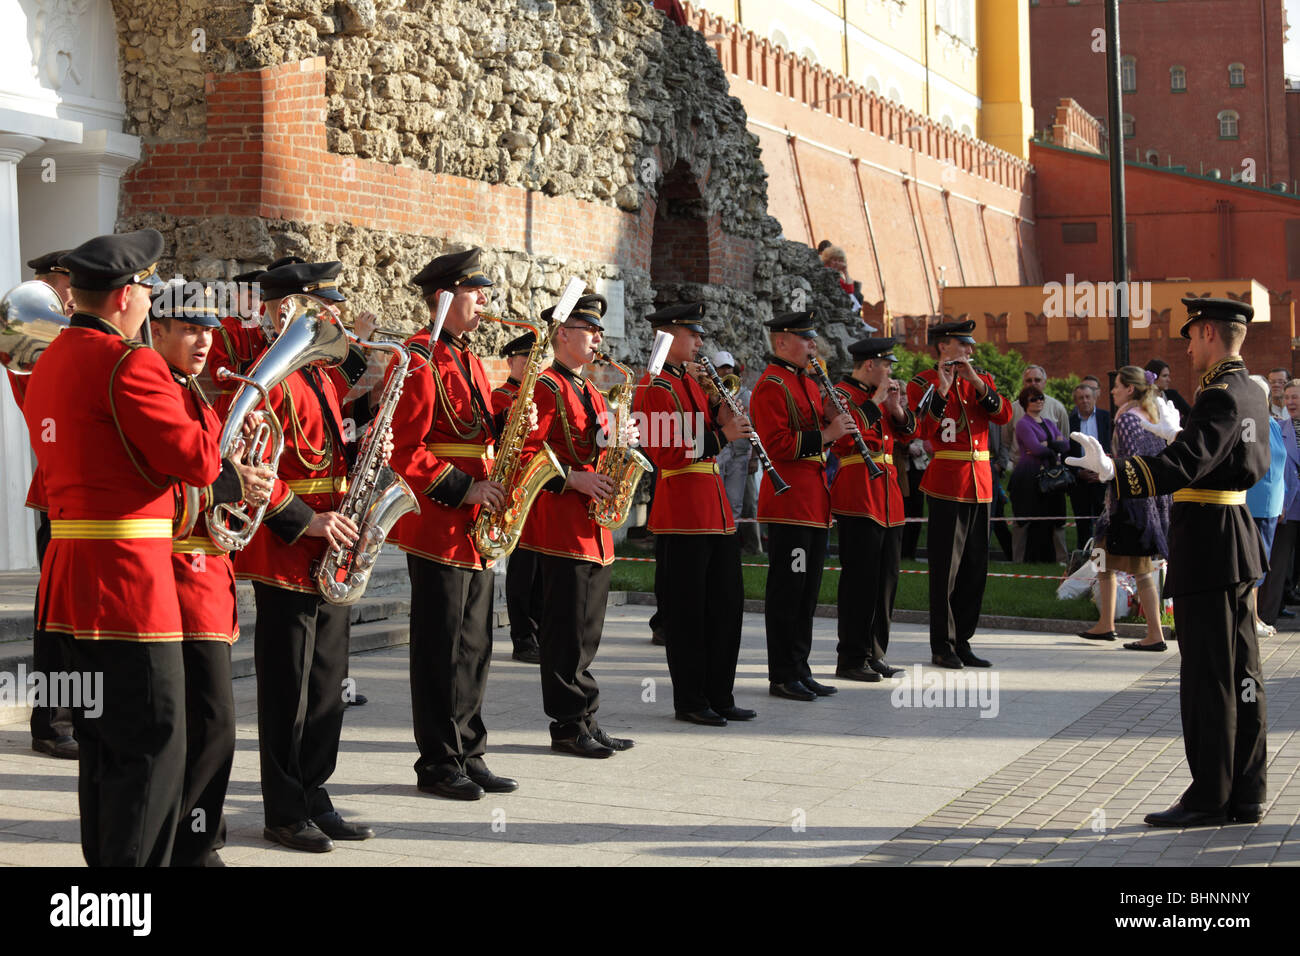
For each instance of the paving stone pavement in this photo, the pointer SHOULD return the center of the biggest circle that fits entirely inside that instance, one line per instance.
(1072, 727)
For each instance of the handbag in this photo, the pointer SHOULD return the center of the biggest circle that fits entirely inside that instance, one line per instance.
(1055, 477)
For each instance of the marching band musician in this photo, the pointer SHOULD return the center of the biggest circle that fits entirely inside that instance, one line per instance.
(574, 551)
(698, 564)
(523, 583)
(111, 434)
(300, 641)
(444, 432)
(869, 513)
(787, 413)
(51, 726)
(238, 340)
(205, 586)
(959, 484)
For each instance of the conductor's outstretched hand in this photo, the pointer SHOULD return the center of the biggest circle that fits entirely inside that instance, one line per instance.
(1094, 458)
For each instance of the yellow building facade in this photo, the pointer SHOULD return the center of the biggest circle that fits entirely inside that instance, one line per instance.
(962, 63)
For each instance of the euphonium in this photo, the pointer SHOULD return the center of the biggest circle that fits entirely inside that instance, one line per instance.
(31, 315)
(619, 460)
(495, 533)
(376, 497)
(313, 334)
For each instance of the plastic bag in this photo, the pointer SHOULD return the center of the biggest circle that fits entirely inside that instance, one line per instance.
(1079, 583)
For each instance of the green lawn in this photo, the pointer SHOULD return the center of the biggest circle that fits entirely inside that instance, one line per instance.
(1014, 597)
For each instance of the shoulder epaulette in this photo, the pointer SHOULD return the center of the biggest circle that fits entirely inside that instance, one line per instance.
(773, 378)
(420, 349)
(919, 379)
(662, 383)
(549, 382)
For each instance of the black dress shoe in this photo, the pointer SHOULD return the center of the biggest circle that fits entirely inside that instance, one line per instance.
(1089, 636)
(659, 638)
(1158, 646)
(1286, 612)
(63, 747)
(528, 653)
(300, 836)
(336, 828)
(454, 786)
(708, 717)
(883, 669)
(1180, 816)
(359, 701)
(821, 690)
(613, 743)
(478, 772)
(948, 659)
(864, 674)
(1245, 812)
(791, 690)
(737, 713)
(583, 745)
(970, 660)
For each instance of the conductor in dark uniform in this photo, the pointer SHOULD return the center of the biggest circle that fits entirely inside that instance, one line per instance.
(1215, 556)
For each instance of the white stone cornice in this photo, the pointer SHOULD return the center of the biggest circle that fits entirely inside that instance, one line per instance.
(14, 146)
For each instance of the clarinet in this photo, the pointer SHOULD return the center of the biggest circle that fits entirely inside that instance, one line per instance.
(814, 366)
(778, 483)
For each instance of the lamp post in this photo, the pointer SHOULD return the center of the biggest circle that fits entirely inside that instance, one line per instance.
(1118, 237)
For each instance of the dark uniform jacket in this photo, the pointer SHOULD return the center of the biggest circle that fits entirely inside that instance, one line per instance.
(1221, 451)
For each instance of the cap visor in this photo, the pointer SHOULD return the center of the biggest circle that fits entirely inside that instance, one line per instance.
(476, 282)
(152, 281)
(810, 334)
(331, 295)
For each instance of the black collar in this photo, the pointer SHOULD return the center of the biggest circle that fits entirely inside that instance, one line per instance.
(84, 320)
(458, 341)
(676, 370)
(798, 370)
(578, 381)
(511, 380)
(179, 377)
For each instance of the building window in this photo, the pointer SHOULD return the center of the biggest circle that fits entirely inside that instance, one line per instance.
(1236, 74)
(872, 84)
(1177, 79)
(1153, 158)
(1128, 126)
(1228, 124)
(1078, 232)
(1128, 71)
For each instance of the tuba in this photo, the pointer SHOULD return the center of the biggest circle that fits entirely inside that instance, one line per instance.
(620, 461)
(31, 315)
(495, 533)
(376, 497)
(313, 334)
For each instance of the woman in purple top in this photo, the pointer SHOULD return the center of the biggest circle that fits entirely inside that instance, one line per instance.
(1040, 444)
(1133, 532)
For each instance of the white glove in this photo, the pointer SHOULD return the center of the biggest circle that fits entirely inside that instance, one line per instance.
(1094, 458)
(1169, 425)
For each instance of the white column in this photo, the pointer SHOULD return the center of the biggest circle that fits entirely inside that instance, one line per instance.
(17, 528)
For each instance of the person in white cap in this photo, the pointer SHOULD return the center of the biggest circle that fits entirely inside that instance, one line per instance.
(734, 464)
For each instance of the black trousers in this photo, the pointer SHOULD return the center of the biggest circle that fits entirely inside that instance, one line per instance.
(575, 593)
(657, 619)
(451, 648)
(300, 646)
(132, 768)
(959, 563)
(703, 617)
(870, 555)
(1221, 696)
(1087, 498)
(796, 556)
(913, 507)
(50, 655)
(1280, 560)
(523, 596)
(209, 752)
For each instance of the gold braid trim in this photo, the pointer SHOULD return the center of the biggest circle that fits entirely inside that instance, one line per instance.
(325, 453)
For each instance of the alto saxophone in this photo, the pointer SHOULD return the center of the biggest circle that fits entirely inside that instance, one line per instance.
(495, 533)
(376, 497)
(619, 460)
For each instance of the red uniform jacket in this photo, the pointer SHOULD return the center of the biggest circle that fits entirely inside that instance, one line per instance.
(852, 491)
(311, 478)
(111, 435)
(234, 346)
(36, 490)
(503, 396)
(786, 410)
(959, 431)
(559, 522)
(444, 437)
(205, 576)
(682, 439)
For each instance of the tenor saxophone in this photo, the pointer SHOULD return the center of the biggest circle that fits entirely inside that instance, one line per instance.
(619, 460)
(376, 497)
(495, 533)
